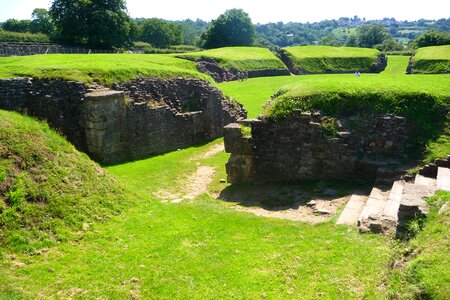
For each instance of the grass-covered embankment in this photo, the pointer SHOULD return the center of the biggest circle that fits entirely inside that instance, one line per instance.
(101, 68)
(48, 190)
(425, 105)
(200, 248)
(432, 60)
(23, 37)
(241, 58)
(424, 97)
(327, 59)
(422, 267)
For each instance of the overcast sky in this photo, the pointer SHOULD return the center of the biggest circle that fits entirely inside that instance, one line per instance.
(261, 11)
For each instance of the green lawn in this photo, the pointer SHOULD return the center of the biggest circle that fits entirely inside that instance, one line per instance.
(242, 58)
(253, 93)
(199, 249)
(397, 65)
(425, 274)
(300, 52)
(101, 68)
(434, 59)
(320, 59)
(433, 52)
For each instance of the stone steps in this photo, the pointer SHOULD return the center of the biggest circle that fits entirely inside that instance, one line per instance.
(389, 210)
(353, 209)
(370, 217)
(443, 179)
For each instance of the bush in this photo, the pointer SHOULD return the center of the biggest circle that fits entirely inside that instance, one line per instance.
(433, 38)
(20, 37)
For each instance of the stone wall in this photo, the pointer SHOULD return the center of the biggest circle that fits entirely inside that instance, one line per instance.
(135, 120)
(300, 148)
(21, 49)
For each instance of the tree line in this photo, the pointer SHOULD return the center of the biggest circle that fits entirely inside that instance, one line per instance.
(106, 24)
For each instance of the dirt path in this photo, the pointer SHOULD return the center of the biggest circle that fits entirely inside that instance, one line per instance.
(213, 151)
(197, 183)
(323, 208)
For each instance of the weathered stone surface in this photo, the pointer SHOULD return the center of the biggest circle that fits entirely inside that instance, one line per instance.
(141, 118)
(352, 210)
(299, 149)
(20, 49)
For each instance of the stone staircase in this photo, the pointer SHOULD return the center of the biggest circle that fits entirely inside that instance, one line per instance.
(388, 208)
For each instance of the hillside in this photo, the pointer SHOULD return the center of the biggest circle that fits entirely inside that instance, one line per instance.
(48, 190)
(327, 59)
(100, 68)
(434, 59)
(241, 58)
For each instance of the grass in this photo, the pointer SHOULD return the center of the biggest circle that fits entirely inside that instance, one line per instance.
(22, 37)
(434, 59)
(424, 273)
(254, 93)
(389, 85)
(322, 59)
(48, 190)
(201, 248)
(101, 68)
(241, 58)
(397, 65)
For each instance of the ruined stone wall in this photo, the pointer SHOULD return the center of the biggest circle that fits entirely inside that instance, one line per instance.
(141, 118)
(21, 49)
(58, 102)
(300, 148)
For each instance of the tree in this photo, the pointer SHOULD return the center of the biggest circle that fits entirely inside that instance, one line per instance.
(233, 28)
(99, 23)
(17, 25)
(432, 38)
(160, 34)
(369, 35)
(41, 21)
(389, 45)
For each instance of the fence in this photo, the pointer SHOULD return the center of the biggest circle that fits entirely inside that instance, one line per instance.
(21, 49)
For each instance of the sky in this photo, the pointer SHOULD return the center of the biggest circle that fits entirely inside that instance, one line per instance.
(261, 11)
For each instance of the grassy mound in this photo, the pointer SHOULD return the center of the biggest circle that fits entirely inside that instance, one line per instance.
(8, 36)
(48, 190)
(326, 59)
(425, 275)
(430, 60)
(242, 58)
(424, 102)
(101, 68)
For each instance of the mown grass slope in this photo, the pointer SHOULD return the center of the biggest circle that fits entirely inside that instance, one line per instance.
(423, 98)
(101, 68)
(325, 59)
(241, 58)
(200, 249)
(48, 190)
(422, 270)
(435, 59)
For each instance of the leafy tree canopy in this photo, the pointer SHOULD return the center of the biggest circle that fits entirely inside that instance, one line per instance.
(160, 34)
(369, 35)
(233, 28)
(17, 25)
(100, 23)
(41, 21)
(433, 38)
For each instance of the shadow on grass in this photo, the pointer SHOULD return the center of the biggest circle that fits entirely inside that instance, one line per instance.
(282, 196)
(153, 155)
